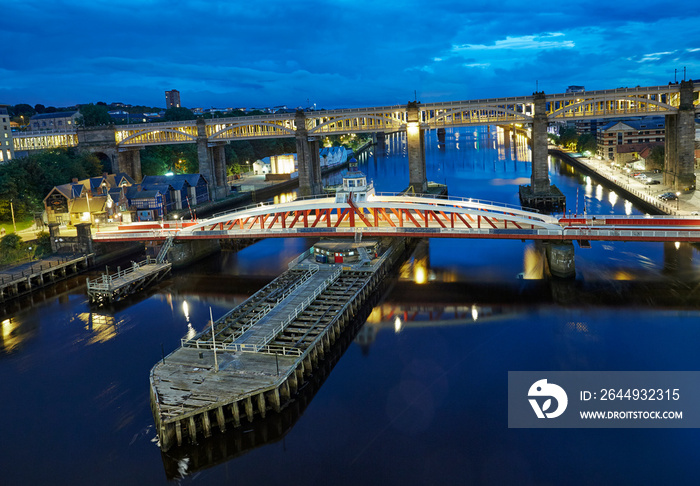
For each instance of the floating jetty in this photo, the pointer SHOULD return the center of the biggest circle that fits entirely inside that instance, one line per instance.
(110, 288)
(262, 352)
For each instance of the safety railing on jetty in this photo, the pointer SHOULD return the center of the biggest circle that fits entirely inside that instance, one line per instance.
(263, 346)
(106, 281)
(255, 318)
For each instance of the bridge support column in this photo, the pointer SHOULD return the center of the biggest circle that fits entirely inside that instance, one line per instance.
(54, 233)
(560, 257)
(212, 163)
(680, 143)
(540, 174)
(218, 158)
(308, 159)
(129, 161)
(415, 137)
(540, 193)
(84, 237)
(441, 136)
(507, 134)
(379, 141)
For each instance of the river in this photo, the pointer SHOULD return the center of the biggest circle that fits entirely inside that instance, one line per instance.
(421, 401)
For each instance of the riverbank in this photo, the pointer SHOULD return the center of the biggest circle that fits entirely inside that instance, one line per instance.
(644, 195)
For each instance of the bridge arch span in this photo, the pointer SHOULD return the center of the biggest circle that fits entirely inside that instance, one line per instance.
(392, 123)
(515, 116)
(664, 108)
(233, 127)
(141, 137)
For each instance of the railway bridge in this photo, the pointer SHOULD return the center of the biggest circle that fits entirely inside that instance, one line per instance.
(679, 103)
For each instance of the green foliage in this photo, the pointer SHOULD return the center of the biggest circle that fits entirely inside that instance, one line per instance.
(568, 137)
(179, 159)
(178, 114)
(656, 158)
(10, 242)
(42, 245)
(26, 181)
(94, 115)
(24, 110)
(587, 142)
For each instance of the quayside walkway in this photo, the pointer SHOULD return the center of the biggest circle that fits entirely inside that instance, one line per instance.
(254, 359)
(23, 278)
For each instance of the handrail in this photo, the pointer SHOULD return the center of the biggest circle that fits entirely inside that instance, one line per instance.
(257, 316)
(105, 281)
(301, 307)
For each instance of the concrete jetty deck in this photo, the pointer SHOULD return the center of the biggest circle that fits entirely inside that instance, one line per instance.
(263, 351)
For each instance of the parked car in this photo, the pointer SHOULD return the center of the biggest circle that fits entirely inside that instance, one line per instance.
(668, 196)
(650, 182)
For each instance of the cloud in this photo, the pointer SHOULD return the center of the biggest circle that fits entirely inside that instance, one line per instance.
(530, 42)
(345, 53)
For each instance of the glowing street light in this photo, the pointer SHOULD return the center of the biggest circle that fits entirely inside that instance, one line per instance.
(678, 200)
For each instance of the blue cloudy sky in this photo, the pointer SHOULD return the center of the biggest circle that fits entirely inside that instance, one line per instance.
(343, 53)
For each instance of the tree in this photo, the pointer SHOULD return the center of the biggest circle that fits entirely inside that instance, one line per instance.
(94, 115)
(178, 114)
(26, 181)
(568, 137)
(39, 108)
(656, 158)
(24, 110)
(587, 143)
(43, 245)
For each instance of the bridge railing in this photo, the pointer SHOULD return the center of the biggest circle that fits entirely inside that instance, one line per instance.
(445, 200)
(469, 200)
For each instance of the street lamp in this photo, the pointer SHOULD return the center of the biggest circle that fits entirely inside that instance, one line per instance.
(12, 210)
(678, 200)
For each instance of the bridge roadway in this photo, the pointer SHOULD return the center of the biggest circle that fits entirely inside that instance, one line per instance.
(411, 216)
(599, 104)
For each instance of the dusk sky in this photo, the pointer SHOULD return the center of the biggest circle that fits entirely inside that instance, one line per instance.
(335, 54)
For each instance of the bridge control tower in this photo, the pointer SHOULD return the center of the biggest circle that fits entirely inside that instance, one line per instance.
(355, 187)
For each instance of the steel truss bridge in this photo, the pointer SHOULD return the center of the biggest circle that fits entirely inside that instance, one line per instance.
(410, 216)
(612, 103)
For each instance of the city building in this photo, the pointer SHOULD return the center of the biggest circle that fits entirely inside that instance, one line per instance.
(575, 89)
(89, 200)
(115, 198)
(172, 99)
(7, 151)
(180, 191)
(623, 141)
(60, 120)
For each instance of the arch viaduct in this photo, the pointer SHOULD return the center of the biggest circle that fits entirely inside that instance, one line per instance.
(121, 143)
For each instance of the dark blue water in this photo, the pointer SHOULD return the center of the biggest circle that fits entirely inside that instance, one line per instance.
(426, 405)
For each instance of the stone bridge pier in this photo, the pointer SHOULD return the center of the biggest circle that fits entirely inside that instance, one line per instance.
(415, 136)
(308, 159)
(102, 141)
(679, 147)
(379, 142)
(212, 163)
(541, 194)
(129, 161)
